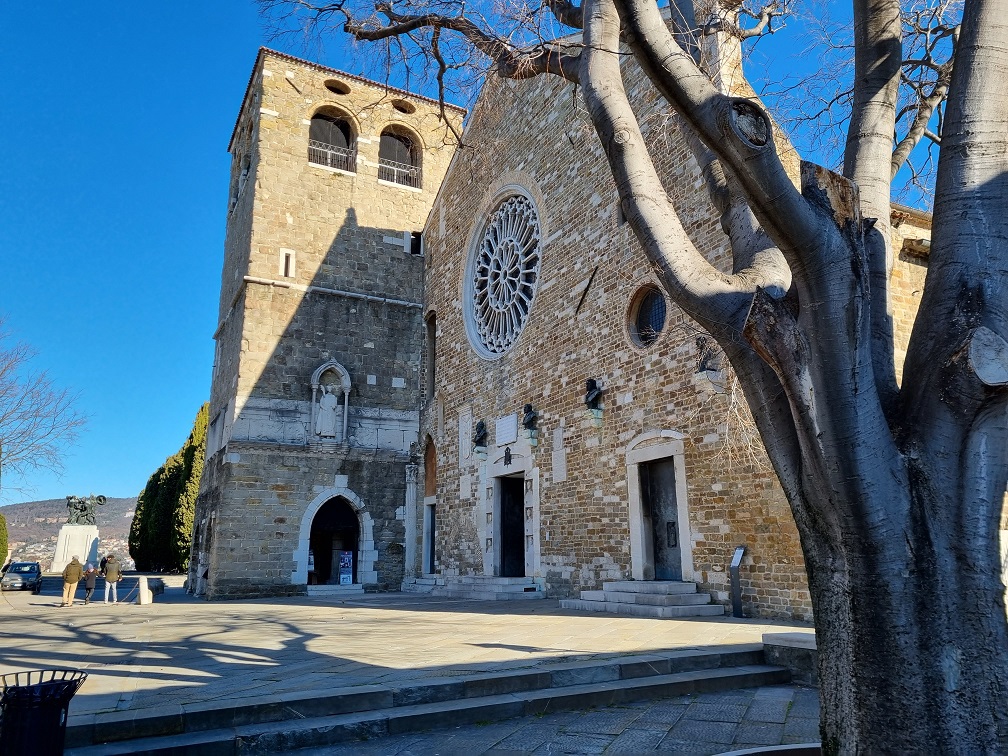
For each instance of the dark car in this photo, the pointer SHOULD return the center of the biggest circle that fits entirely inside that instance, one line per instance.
(21, 576)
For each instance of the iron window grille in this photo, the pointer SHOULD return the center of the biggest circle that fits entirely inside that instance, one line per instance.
(332, 156)
(399, 173)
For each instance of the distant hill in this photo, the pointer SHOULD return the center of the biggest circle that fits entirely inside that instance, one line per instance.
(33, 527)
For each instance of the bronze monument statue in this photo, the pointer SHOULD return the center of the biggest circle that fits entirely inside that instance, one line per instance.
(82, 510)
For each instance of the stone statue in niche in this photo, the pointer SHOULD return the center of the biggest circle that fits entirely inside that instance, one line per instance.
(325, 419)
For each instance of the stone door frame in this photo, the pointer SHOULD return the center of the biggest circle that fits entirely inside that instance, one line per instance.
(647, 447)
(521, 466)
(367, 555)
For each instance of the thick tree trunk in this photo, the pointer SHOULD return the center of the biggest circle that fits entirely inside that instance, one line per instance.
(911, 644)
(897, 506)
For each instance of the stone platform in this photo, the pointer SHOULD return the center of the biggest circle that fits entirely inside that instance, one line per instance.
(182, 652)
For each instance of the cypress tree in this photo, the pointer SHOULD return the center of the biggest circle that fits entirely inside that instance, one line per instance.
(3, 539)
(193, 456)
(162, 525)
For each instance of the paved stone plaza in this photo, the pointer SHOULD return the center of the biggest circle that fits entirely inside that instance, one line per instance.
(182, 650)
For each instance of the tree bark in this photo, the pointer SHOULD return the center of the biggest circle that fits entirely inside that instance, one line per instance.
(909, 617)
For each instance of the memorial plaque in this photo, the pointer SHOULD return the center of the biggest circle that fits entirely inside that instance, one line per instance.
(507, 430)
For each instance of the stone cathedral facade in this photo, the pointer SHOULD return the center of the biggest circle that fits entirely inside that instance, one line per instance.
(458, 367)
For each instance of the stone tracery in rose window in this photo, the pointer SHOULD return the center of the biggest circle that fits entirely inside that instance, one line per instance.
(505, 273)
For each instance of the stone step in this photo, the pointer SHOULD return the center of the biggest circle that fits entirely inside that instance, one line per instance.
(477, 594)
(190, 720)
(643, 610)
(650, 586)
(490, 580)
(421, 588)
(494, 587)
(652, 599)
(421, 581)
(289, 734)
(335, 590)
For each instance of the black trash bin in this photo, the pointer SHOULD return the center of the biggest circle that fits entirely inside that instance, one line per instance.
(33, 710)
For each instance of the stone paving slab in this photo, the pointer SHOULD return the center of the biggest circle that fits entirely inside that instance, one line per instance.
(181, 651)
(628, 728)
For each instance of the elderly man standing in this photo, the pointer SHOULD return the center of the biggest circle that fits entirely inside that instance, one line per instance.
(72, 575)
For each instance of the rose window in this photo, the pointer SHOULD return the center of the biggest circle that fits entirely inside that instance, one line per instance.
(504, 274)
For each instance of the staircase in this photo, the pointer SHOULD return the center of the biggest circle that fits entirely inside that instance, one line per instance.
(659, 599)
(476, 587)
(279, 723)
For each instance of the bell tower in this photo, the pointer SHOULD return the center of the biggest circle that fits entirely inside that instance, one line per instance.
(315, 392)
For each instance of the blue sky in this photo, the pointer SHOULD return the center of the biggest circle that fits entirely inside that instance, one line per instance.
(113, 184)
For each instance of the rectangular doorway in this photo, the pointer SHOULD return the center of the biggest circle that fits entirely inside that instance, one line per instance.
(429, 538)
(512, 527)
(658, 500)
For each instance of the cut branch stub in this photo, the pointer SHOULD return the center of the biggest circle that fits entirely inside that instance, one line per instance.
(832, 192)
(772, 331)
(988, 356)
(749, 123)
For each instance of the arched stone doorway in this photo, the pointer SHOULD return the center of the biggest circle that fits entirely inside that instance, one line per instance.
(365, 571)
(335, 530)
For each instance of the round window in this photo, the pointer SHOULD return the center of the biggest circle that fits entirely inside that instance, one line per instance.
(337, 87)
(647, 316)
(503, 276)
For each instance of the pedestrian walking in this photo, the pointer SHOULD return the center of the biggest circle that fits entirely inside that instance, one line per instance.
(113, 574)
(72, 575)
(90, 574)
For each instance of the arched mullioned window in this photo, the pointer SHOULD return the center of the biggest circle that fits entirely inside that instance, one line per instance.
(399, 158)
(331, 141)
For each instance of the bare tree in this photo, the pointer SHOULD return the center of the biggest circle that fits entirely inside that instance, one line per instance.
(37, 420)
(816, 107)
(896, 490)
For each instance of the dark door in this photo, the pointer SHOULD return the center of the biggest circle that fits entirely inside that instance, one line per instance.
(512, 514)
(432, 541)
(658, 494)
(334, 529)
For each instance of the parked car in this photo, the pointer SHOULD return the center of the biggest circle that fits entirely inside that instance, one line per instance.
(21, 576)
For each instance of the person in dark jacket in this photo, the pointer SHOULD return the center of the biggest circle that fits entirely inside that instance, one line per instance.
(113, 574)
(90, 574)
(72, 575)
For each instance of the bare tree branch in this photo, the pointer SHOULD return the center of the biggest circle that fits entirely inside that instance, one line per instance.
(37, 420)
(512, 63)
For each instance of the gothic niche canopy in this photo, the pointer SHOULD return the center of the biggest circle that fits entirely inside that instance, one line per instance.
(503, 276)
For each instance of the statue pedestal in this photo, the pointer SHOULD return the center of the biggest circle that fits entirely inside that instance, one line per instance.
(75, 540)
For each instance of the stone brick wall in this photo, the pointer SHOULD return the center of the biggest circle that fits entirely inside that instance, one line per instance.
(257, 499)
(536, 135)
(318, 267)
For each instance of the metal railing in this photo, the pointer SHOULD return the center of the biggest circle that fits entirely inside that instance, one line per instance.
(331, 156)
(399, 173)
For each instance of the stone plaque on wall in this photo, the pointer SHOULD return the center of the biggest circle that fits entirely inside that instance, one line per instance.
(465, 486)
(506, 430)
(559, 457)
